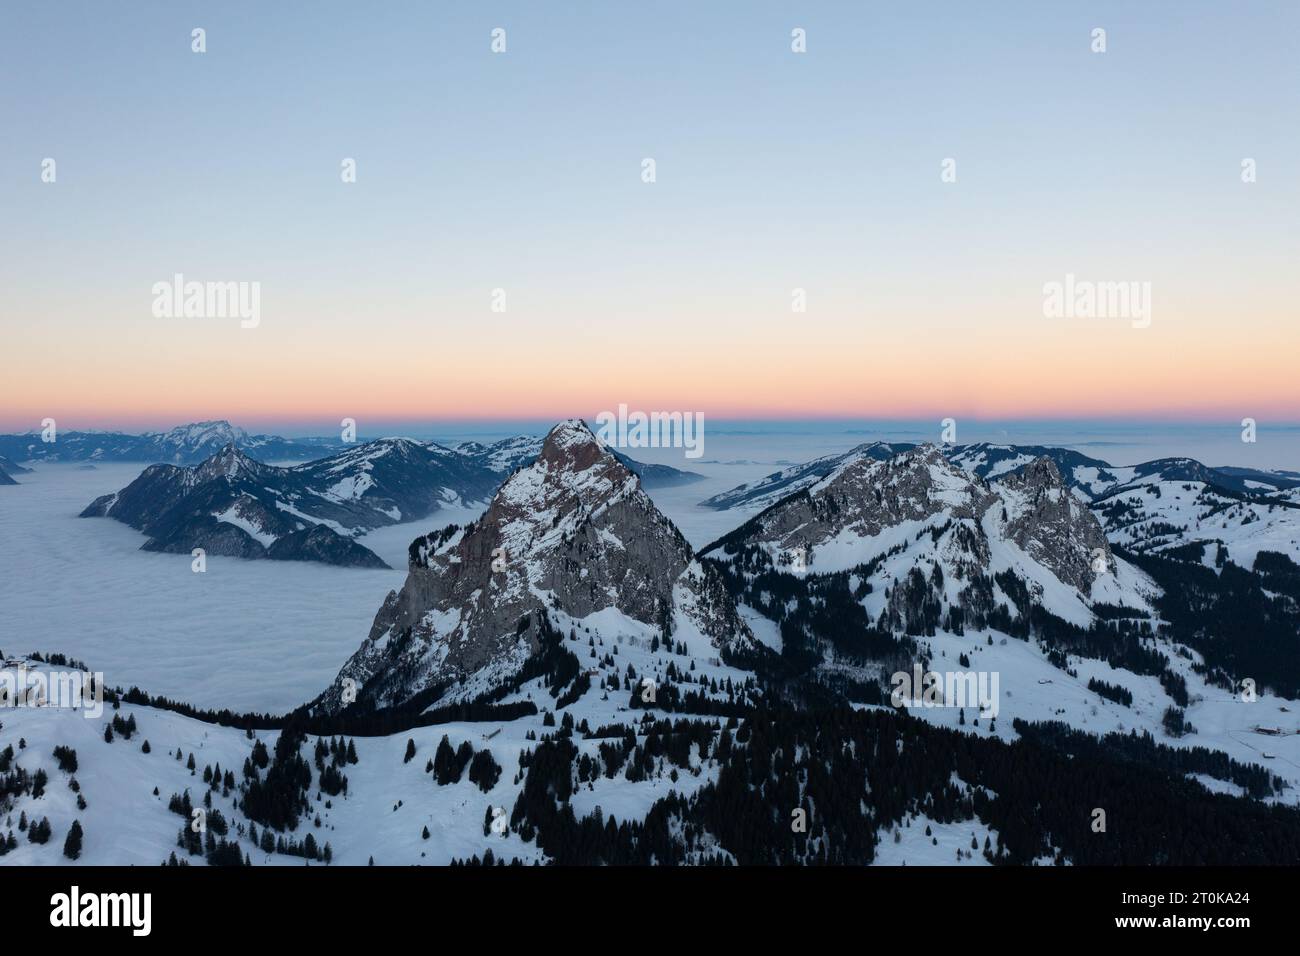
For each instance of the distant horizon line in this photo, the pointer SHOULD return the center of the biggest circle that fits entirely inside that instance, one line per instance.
(841, 424)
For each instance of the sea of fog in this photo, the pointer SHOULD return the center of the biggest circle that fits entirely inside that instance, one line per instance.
(249, 635)
(269, 635)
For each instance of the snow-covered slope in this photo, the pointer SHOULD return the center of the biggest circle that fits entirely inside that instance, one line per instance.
(389, 805)
(1151, 513)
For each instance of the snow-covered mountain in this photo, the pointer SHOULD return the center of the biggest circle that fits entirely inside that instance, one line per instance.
(231, 504)
(984, 460)
(919, 513)
(1090, 478)
(1157, 505)
(572, 535)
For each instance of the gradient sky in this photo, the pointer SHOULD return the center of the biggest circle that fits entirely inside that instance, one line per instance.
(522, 171)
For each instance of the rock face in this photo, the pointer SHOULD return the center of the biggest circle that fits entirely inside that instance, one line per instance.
(918, 520)
(5, 479)
(572, 533)
(1052, 526)
(864, 497)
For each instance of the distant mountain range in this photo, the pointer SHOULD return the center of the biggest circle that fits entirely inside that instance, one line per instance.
(193, 444)
(185, 445)
(233, 504)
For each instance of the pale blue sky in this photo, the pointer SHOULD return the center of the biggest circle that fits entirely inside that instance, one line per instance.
(775, 170)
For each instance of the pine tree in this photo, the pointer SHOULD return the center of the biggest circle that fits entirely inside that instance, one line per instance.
(72, 845)
(410, 750)
(444, 763)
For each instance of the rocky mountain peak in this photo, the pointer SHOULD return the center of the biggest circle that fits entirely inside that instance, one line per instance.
(228, 462)
(211, 434)
(573, 533)
(1039, 473)
(571, 444)
(1048, 523)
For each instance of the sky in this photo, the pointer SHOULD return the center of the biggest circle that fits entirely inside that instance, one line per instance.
(522, 171)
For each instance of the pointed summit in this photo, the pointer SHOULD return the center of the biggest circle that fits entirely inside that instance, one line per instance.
(572, 446)
(571, 535)
(571, 432)
(228, 462)
(1042, 472)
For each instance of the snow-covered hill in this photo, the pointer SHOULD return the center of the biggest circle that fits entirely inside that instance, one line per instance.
(1153, 513)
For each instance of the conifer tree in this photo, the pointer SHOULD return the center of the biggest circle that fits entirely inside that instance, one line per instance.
(72, 845)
